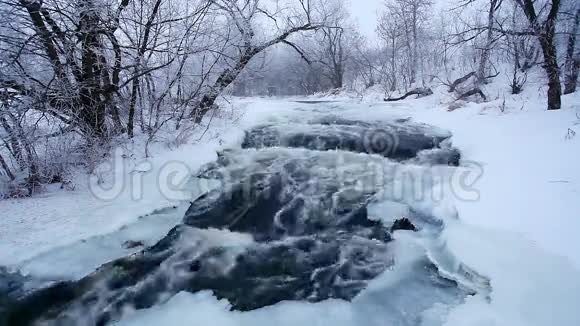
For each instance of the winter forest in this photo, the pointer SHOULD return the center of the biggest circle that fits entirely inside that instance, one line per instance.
(77, 76)
(289, 162)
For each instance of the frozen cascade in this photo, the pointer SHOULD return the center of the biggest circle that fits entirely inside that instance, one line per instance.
(304, 215)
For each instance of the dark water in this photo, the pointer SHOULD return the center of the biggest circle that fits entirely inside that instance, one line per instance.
(299, 194)
(398, 139)
(314, 102)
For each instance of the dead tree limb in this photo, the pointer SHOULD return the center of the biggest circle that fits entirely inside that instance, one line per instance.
(475, 91)
(453, 86)
(421, 91)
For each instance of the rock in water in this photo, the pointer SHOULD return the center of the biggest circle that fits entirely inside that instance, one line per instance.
(403, 224)
(309, 239)
(284, 224)
(130, 244)
(398, 140)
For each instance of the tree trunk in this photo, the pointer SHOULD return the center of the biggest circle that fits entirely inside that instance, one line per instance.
(572, 60)
(393, 65)
(132, 104)
(142, 47)
(107, 89)
(456, 83)
(34, 178)
(471, 92)
(552, 71)
(338, 76)
(340, 63)
(6, 168)
(415, 51)
(15, 148)
(223, 81)
(485, 54)
(421, 92)
(545, 34)
(92, 111)
(33, 8)
(229, 75)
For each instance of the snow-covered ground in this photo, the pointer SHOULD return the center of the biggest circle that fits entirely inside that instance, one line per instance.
(134, 186)
(519, 232)
(531, 178)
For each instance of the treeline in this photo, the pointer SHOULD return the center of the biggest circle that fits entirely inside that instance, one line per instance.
(462, 44)
(76, 75)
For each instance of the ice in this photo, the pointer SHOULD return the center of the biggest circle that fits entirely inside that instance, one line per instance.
(388, 211)
(530, 286)
(403, 296)
(304, 214)
(32, 226)
(75, 261)
(515, 245)
(410, 292)
(398, 139)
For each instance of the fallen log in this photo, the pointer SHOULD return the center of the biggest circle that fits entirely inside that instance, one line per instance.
(421, 91)
(453, 86)
(475, 91)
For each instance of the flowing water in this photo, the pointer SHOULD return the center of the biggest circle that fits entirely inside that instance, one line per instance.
(310, 211)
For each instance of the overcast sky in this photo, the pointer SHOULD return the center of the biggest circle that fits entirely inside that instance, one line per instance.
(365, 13)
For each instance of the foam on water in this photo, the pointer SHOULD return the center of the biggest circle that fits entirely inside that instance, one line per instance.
(279, 225)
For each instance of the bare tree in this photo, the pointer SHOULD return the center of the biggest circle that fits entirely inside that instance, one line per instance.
(521, 48)
(545, 29)
(390, 33)
(482, 70)
(335, 56)
(572, 65)
(366, 64)
(243, 14)
(142, 45)
(76, 76)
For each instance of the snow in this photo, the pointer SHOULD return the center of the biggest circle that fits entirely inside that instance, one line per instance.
(530, 182)
(519, 232)
(48, 226)
(32, 226)
(396, 295)
(83, 257)
(134, 186)
(530, 286)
